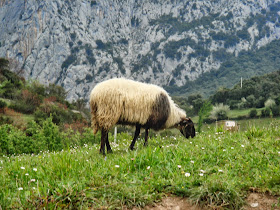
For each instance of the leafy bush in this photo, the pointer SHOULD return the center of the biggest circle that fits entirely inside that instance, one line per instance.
(3, 104)
(60, 113)
(269, 103)
(47, 136)
(220, 112)
(14, 141)
(5, 120)
(253, 113)
(21, 106)
(266, 112)
(275, 111)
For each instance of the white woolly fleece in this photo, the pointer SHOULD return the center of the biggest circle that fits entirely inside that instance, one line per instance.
(123, 100)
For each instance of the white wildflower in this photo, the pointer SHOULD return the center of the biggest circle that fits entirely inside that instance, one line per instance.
(34, 169)
(22, 168)
(20, 188)
(179, 166)
(27, 174)
(117, 166)
(201, 174)
(148, 167)
(192, 161)
(187, 174)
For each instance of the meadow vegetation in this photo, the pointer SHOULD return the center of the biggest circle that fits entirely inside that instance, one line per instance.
(215, 169)
(49, 157)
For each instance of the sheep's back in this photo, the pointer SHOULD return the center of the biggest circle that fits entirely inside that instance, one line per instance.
(122, 101)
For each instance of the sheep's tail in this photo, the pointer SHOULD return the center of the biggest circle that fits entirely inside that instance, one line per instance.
(94, 121)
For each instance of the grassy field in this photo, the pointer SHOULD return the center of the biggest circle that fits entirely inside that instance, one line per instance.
(213, 169)
(242, 112)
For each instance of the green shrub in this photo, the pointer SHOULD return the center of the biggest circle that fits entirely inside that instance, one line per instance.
(42, 137)
(266, 112)
(253, 113)
(60, 114)
(14, 141)
(220, 112)
(5, 120)
(3, 104)
(269, 103)
(21, 106)
(275, 111)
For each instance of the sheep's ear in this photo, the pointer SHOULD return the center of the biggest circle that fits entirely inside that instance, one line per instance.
(186, 127)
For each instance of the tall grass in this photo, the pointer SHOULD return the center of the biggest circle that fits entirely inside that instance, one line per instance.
(213, 170)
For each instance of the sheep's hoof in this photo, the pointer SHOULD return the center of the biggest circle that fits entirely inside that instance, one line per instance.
(102, 152)
(131, 148)
(109, 151)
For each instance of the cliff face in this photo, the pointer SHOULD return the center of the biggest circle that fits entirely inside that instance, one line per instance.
(79, 43)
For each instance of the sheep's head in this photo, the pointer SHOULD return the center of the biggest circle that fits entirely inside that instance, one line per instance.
(186, 127)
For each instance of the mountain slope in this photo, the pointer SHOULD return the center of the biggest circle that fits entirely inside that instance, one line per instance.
(247, 64)
(79, 43)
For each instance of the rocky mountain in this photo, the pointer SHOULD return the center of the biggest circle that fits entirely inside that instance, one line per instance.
(166, 42)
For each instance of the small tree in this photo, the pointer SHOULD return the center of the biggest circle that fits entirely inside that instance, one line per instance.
(220, 112)
(269, 103)
(203, 112)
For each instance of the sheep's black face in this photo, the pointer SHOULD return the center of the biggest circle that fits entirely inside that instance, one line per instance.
(186, 127)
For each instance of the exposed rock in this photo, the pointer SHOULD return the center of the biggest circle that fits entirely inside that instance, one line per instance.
(79, 43)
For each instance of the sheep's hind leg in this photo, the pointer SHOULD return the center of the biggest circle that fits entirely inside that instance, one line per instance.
(109, 150)
(104, 137)
(146, 137)
(136, 134)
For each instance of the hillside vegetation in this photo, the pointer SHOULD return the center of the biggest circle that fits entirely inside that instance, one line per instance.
(254, 92)
(20, 98)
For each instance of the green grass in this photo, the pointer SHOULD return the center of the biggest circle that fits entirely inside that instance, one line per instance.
(242, 112)
(213, 169)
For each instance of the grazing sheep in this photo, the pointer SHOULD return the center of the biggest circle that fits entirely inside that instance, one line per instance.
(126, 102)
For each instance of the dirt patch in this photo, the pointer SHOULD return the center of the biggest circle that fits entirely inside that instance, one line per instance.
(255, 201)
(173, 203)
(262, 201)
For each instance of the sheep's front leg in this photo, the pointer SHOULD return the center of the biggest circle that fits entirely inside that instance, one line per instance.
(146, 137)
(136, 134)
(104, 139)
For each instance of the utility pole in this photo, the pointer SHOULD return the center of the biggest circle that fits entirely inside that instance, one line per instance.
(241, 83)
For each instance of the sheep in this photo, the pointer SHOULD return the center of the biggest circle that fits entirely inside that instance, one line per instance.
(127, 102)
